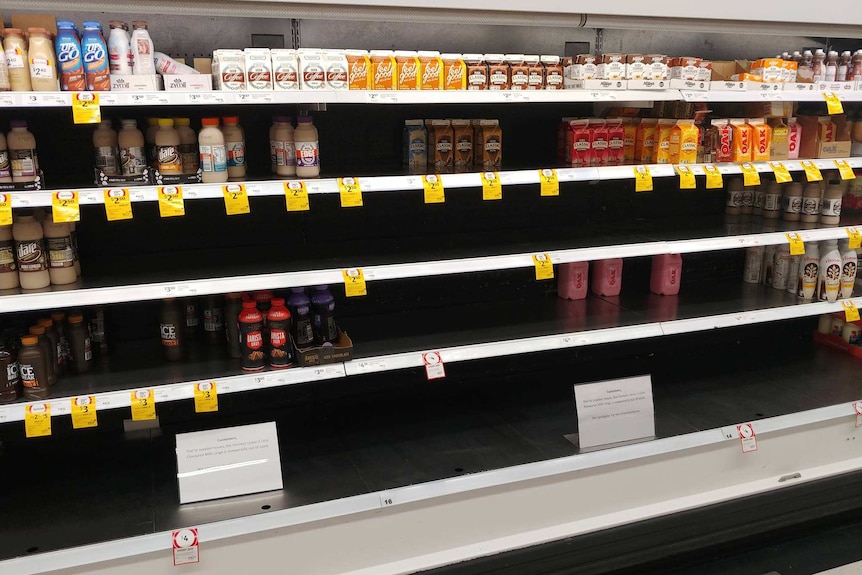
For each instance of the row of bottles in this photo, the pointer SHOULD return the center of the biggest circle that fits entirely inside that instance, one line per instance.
(607, 277)
(34, 254)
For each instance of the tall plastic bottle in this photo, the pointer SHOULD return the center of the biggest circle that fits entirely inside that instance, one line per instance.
(70, 61)
(818, 65)
(8, 267)
(61, 256)
(323, 316)
(130, 141)
(5, 84)
(105, 144)
(234, 140)
(829, 272)
(278, 322)
(849, 266)
(5, 168)
(831, 66)
(844, 66)
(300, 309)
(95, 50)
(142, 49)
(30, 250)
(119, 48)
(251, 340)
(17, 61)
(285, 147)
(573, 281)
(307, 148)
(809, 266)
(232, 309)
(43, 61)
(168, 148)
(213, 155)
(189, 153)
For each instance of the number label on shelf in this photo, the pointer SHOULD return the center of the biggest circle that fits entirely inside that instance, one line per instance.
(491, 187)
(433, 187)
(434, 368)
(65, 208)
(845, 170)
(713, 177)
(350, 191)
(782, 175)
(797, 246)
(354, 282)
(5, 209)
(544, 266)
(84, 412)
(143, 405)
(855, 238)
(206, 397)
(750, 176)
(235, 199)
(118, 204)
(186, 546)
(851, 312)
(747, 437)
(171, 202)
(686, 178)
(812, 172)
(296, 196)
(37, 420)
(857, 407)
(85, 108)
(549, 182)
(833, 104)
(643, 179)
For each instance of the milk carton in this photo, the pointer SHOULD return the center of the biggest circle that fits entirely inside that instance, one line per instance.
(312, 70)
(229, 70)
(258, 69)
(285, 70)
(336, 66)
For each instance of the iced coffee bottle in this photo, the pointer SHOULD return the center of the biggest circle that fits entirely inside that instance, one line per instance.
(49, 351)
(34, 368)
(131, 143)
(5, 168)
(8, 267)
(818, 65)
(234, 140)
(30, 250)
(5, 85)
(168, 148)
(189, 153)
(285, 147)
(17, 60)
(43, 63)
(307, 148)
(213, 155)
(105, 145)
(61, 256)
(150, 140)
(22, 153)
(80, 345)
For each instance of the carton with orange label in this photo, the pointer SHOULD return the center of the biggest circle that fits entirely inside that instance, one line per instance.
(629, 140)
(780, 148)
(770, 69)
(430, 71)
(761, 140)
(741, 143)
(358, 68)
(407, 70)
(383, 70)
(645, 141)
(454, 72)
(663, 152)
(684, 139)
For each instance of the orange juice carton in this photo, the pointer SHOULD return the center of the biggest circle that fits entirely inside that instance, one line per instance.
(663, 152)
(629, 140)
(770, 69)
(741, 142)
(645, 141)
(761, 139)
(383, 70)
(684, 138)
(358, 67)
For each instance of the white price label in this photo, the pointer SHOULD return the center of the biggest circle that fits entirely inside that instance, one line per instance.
(747, 437)
(857, 407)
(434, 368)
(7, 100)
(386, 499)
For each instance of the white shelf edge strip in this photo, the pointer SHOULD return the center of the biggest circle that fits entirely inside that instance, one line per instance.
(373, 184)
(391, 362)
(162, 542)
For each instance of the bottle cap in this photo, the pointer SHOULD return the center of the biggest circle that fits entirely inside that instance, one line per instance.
(231, 120)
(249, 305)
(262, 295)
(37, 330)
(321, 287)
(130, 122)
(116, 24)
(29, 340)
(163, 122)
(139, 24)
(92, 25)
(65, 24)
(18, 123)
(58, 315)
(76, 318)
(209, 121)
(277, 301)
(153, 121)
(283, 119)
(182, 122)
(234, 295)
(45, 322)
(304, 120)
(39, 31)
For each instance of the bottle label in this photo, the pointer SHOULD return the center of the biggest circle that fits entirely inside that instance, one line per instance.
(235, 154)
(793, 204)
(192, 316)
(23, 163)
(7, 256)
(133, 161)
(213, 319)
(207, 164)
(190, 158)
(41, 69)
(772, 202)
(5, 171)
(12, 376)
(285, 154)
(88, 349)
(307, 154)
(31, 255)
(169, 335)
(169, 160)
(810, 206)
(277, 338)
(304, 331)
(60, 252)
(28, 375)
(734, 199)
(830, 207)
(106, 159)
(14, 59)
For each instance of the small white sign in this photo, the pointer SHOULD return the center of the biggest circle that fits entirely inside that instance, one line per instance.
(615, 411)
(858, 408)
(747, 437)
(186, 546)
(434, 365)
(228, 462)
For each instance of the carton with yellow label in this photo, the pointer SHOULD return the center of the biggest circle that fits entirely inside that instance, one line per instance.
(684, 139)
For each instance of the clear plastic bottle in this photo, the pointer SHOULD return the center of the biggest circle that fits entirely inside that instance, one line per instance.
(142, 49)
(17, 60)
(168, 146)
(119, 48)
(810, 202)
(43, 61)
(213, 157)
(307, 148)
(818, 65)
(22, 153)
(105, 144)
(234, 140)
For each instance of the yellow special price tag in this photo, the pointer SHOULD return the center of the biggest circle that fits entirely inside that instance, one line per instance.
(643, 179)
(855, 239)
(713, 177)
(812, 172)
(37, 420)
(171, 202)
(687, 180)
(296, 196)
(434, 191)
(833, 104)
(143, 405)
(65, 208)
(782, 176)
(354, 282)
(851, 312)
(797, 246)
(491, 187)
(351, 192)
(550, 184)
(750, 177)
(845, 170)
(5, 209)
(84, 412)
(544, 266)
(85, 108)
(206, 397)
(235, 199)
(118, 204)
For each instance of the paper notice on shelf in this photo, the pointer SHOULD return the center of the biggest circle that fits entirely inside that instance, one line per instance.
(5, 209)
(857, 407)
(747, 437)
(228, 462)
(186, 546)
(434, 368)
(549, 182)
(615, 411)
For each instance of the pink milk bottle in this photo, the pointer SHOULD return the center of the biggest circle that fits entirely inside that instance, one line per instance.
(573, 280)
(666, 274)
(607, 277)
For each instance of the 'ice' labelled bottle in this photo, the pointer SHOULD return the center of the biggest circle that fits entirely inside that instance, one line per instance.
(193, 322)
(666, 274)
(172, 323)
(59, 319)
(300, 309)
(307, 148)
(53, 335)
(48, 350)
(80, 345)
(573, 280)
(280, 347)
(323, 316)
(33, 366)
(232, 309)
(99, 331)
(251, 338)
(607, 277)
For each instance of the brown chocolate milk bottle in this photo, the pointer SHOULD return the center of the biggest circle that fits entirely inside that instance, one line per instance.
(172, 323)
(34, 368)
(79, 343)
(49, 351)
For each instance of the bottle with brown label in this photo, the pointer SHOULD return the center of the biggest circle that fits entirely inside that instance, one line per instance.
(10, 380)
(193, 321)
(168, 148)
(214, 320)
(189, 154)
(23, 161)
(59, 350)
(80, 346)
(280, 347)
(33, 367)
(172, 329)
(59, 319)
(8, 267)
(30, 250)
(61, 255)
(49, 351)
(251, 337)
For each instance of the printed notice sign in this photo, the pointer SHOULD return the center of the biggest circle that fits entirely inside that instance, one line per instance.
(227, 462)
(615, 411)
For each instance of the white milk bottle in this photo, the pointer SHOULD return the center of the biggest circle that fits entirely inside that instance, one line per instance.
(809, 266)
(307, 148)
(61, 255)
(8, 268)
(22, 153)
(213, 154)
(30, 251)
(829, 280)
(285, 147)
(142, 49)
(849, 265)
(234, 141)
(105, 144)
(119, 49)
(130, 140)
(43, 62)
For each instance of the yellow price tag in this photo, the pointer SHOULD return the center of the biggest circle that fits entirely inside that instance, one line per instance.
(750, 177)
(235, 199)
(491, 188)
(833, 104)
(855, 241)
(206, 397)
(812, 172)
(550, 184)
(143, 405)
(37, 420)
(5, 209)
(845, 170)
(171, 202)
(544, 266)
(851, 312)
(65, 208)
(782, 176)
(118, 204)
(85, 108)
(797, 246)
(643, 179)
(686, 178)
(434, 191)
(354, 282)
(350, 192)
(713, 177)
(84, 412)
(296, 196)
